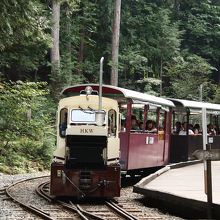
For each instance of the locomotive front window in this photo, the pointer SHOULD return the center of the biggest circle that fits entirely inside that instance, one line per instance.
(83, 116)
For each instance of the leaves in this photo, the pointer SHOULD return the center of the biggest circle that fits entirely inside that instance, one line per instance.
(25, 116)
(24, 39)
(186, 75)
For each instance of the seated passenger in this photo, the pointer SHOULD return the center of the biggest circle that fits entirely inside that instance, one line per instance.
(123, 125)
(63, 126)
(190, 126)
(134, 123)
(183, 130)
(150, 126)
(216, 128)
(196, 129)
(141, 125)
(178, 127)
(211, 130)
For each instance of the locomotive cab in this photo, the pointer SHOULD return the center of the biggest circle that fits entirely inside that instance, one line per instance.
(86, 160)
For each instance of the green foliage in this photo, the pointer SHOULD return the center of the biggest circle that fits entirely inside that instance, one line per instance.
(217, 96)
(200, 22)
(78, 24)
(185, 75)
(150, 32)
(24, 40)
(149, 40)
(26, 136)
(149, 85)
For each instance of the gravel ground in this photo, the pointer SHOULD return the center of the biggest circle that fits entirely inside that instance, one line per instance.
(10, 210)
(128, 196)
(6, 180)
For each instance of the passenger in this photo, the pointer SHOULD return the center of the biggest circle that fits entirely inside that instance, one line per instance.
(196, 129)
(134, 123)
(63, 126)
(110, 128)
(162, 126)
(183, 130)
(216, 128)
(190, 126)
(211, 130)
(123, 126)
(141, 125)
(178, 127)
(151, 126)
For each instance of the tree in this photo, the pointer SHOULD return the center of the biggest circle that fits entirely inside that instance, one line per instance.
(55, 50)
(147, 34)
(24, 40)
(186, 74)
(115, 42)
(26, 137)
(200, 22)
(78, 50)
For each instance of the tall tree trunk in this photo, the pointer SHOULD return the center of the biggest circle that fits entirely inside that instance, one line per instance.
(69, 45)
(115, 42)
(55, 51)
(81, 50)
(161, 76)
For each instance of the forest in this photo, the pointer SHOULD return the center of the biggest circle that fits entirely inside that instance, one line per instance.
(167, 48)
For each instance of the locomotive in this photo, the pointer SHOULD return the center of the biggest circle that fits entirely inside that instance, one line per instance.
(86, 161)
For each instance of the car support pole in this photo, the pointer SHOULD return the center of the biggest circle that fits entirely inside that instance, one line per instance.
(207, 167)
(209, 185)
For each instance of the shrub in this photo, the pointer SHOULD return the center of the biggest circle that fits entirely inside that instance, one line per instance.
(26, 127)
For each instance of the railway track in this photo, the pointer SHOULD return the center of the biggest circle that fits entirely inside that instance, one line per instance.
(23, 193)
(51, 208)
(108, 209)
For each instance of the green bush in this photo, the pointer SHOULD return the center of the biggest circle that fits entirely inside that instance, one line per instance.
(26, 127)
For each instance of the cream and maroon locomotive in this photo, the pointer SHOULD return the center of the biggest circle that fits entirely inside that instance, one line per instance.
(86, 160)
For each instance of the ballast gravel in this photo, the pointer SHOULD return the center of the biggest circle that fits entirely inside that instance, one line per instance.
(10, 210)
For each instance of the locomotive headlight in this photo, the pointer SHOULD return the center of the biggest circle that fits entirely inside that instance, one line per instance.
(88, 90)
(100, 117)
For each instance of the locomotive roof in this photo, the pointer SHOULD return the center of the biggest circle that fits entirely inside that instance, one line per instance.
(195, 104)
(118, 93)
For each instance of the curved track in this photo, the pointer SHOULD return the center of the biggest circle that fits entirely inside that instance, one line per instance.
(23, 193)
(37, 200)
(108, 209)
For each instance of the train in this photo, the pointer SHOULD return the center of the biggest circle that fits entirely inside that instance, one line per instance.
(98, 140)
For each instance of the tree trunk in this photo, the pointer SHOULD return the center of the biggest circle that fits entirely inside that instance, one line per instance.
(81, 50)
(115, 42)
(69, 45)
(161, 76)
(55, 52)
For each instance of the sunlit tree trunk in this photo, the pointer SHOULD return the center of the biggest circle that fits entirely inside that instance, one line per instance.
(55, 51)
(115, 42)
